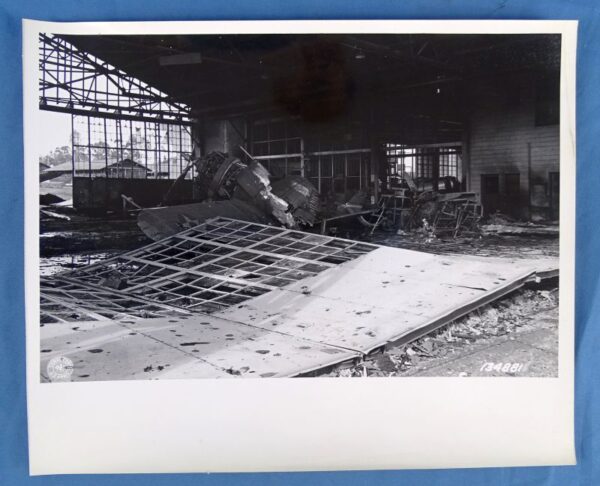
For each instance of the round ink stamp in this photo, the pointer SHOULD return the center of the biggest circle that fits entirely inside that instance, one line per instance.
(60, 368)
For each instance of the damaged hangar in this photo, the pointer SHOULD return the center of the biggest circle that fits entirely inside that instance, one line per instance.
(245, 157)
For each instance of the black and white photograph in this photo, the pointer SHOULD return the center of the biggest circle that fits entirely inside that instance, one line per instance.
(299, 245)
(310, 205)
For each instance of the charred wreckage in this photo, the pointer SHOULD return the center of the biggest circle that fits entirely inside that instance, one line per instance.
(227, 187)
(250, 281)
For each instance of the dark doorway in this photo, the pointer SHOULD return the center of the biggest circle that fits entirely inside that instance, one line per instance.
(490, 193)
(501, 193)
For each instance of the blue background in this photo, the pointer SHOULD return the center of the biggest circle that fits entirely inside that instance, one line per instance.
(13, 424)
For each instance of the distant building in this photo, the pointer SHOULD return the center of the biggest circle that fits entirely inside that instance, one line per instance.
(124, 169)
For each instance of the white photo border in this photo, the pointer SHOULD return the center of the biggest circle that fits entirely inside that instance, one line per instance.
(301, 424)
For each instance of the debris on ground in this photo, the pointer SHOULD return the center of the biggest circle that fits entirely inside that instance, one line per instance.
(513, 246)
(512, 314)
(54, 215)
(412, 205)
(80, 235)
(530, 229)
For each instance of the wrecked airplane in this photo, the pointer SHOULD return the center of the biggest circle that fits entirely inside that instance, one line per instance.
(229, 188)
(226, 187)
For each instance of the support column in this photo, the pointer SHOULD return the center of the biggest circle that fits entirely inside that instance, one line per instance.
(465, 158)
(374, 176)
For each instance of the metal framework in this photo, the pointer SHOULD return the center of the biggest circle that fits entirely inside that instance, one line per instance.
(333, 164)
(129, 149)
(121, 127)
(278, 145)
(419, 161)
(61, 301)
(74, 81)
(207, 268)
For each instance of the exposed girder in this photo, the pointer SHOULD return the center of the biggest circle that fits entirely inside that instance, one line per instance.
(73, 80)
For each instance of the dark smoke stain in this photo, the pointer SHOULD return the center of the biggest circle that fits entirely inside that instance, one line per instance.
(321, 89)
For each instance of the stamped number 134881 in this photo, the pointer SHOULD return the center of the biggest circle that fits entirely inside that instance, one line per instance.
(490, 366)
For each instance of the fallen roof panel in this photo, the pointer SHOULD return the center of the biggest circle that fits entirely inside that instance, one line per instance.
(235, 299)
(217, 264)
(185, 347)
(384, 296)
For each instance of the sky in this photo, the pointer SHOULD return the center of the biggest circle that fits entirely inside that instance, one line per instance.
(54, 131)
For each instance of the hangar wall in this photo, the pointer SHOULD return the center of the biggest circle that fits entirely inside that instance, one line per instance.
(514, 149)
(99, 194)
(511, 146)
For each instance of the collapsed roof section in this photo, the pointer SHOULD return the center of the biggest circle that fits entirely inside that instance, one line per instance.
(229, 298)
(209, 267)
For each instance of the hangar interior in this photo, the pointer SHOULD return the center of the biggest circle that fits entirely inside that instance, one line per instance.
(348, 112)
(301, 205)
